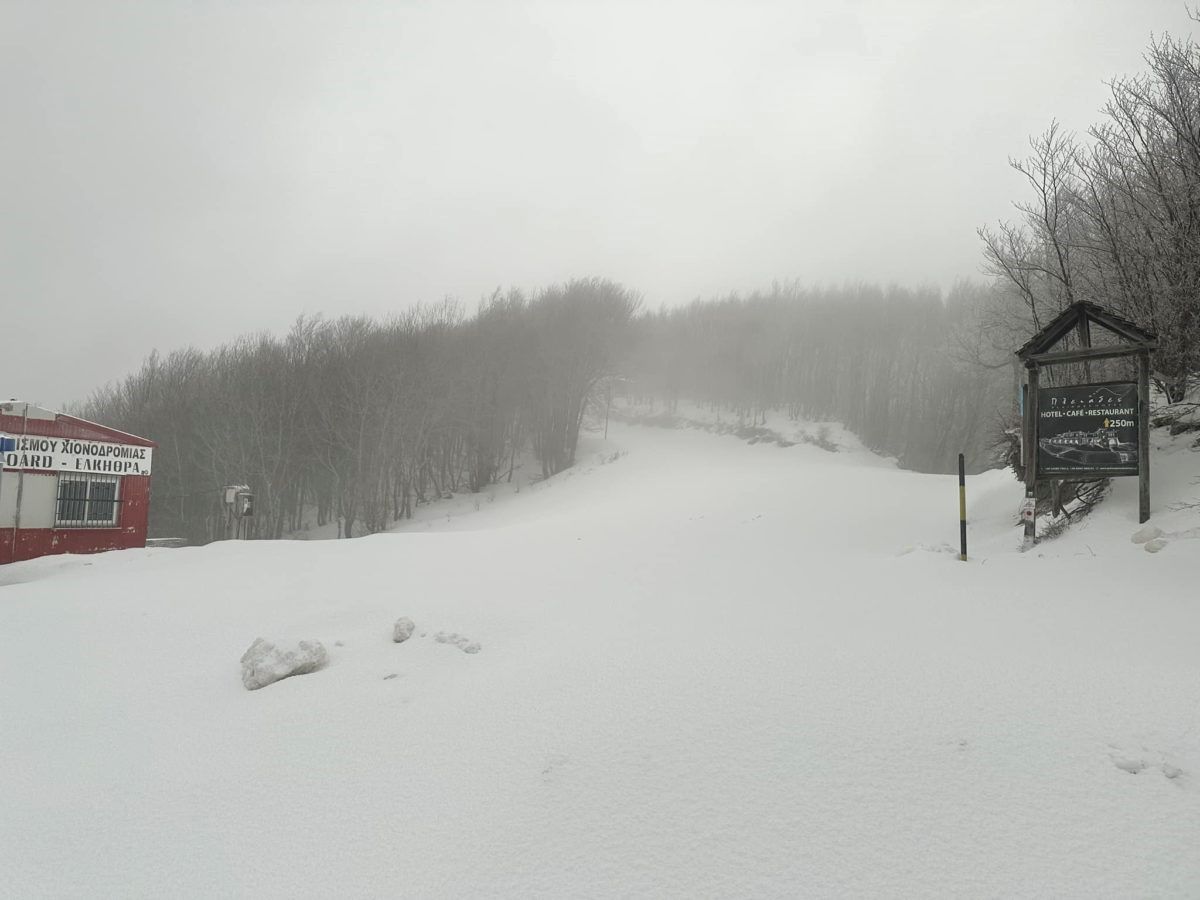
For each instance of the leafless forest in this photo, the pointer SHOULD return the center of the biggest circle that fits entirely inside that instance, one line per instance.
(1113, 217)
(360, 420)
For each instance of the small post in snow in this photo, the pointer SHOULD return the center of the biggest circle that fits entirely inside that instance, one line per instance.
(962, 507)
(607, 407)
(7, 445)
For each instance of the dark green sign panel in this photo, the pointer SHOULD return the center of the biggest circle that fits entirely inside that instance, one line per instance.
(1088, 429)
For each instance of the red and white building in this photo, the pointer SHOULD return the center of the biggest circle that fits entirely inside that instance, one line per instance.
(70, 485)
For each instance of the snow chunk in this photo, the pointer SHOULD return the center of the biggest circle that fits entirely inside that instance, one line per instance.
(1155, 545)
(403, 629)
(264, 663)
(1149, 533)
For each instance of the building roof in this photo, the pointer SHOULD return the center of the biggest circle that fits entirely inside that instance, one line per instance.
(21, 417)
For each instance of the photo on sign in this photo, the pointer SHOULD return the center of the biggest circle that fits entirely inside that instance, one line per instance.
(1088, 429)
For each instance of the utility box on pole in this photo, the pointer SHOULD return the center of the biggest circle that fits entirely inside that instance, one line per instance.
(238, 501)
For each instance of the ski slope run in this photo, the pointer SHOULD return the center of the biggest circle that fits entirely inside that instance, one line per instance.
(705, 669)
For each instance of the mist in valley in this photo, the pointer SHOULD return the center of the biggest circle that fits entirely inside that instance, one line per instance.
(758, 219)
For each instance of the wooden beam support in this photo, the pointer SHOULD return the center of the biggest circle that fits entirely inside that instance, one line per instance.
(1054, 332)
(1143, 366)
(1084, 332)
(1031, 412)
(1116, 326)
(1065, 356)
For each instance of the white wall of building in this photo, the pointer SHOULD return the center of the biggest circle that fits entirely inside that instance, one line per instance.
(38, 497)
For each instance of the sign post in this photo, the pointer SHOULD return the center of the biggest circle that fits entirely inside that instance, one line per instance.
(1085, 432)
(7, 445)
(239, 509)
(1029, 510)
(962, 508)
(1143, 390)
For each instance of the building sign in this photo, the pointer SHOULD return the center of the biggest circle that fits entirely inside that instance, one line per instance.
(1088, 429)
(53, 454)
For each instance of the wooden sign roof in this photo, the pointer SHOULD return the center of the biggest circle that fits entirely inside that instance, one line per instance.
(1039, 348)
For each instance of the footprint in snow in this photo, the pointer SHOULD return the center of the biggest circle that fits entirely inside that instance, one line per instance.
(927, 548)
(461, 641)
(1130, 764)
(1135, 763)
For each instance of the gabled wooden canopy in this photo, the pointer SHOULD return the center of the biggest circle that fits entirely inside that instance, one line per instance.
(1081, 315)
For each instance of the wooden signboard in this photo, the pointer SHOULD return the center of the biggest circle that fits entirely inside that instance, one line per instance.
(1088, 430)
(1084, 432)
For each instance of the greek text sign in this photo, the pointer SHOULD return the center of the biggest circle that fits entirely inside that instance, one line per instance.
(1088, 429)
(53, 454)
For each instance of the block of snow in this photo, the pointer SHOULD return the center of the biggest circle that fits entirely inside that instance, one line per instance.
(1155, 545)
(265, 663)
(403, 629)
(1148, 533)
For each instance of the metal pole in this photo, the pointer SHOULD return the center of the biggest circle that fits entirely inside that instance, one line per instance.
(20, 487)
(962, 507)
(1021, 401)
(6, 444)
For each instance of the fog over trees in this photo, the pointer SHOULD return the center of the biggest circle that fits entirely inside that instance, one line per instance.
(891, 364)
(359, 420)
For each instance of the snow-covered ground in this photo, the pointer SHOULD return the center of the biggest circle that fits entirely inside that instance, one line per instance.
(706, 668)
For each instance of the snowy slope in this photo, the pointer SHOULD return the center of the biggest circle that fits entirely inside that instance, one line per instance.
(707, 669)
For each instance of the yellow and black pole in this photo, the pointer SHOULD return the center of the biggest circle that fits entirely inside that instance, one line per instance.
(962, 507)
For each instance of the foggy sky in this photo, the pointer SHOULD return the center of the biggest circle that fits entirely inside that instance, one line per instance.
(178, 173)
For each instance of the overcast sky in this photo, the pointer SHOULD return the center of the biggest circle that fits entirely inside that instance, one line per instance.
(176, 173)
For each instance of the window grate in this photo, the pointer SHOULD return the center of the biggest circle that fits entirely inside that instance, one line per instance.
(87, 501)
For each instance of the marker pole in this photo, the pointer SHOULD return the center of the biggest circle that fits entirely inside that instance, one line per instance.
(962, 507)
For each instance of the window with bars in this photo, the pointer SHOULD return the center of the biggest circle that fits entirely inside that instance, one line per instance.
(87, 501)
